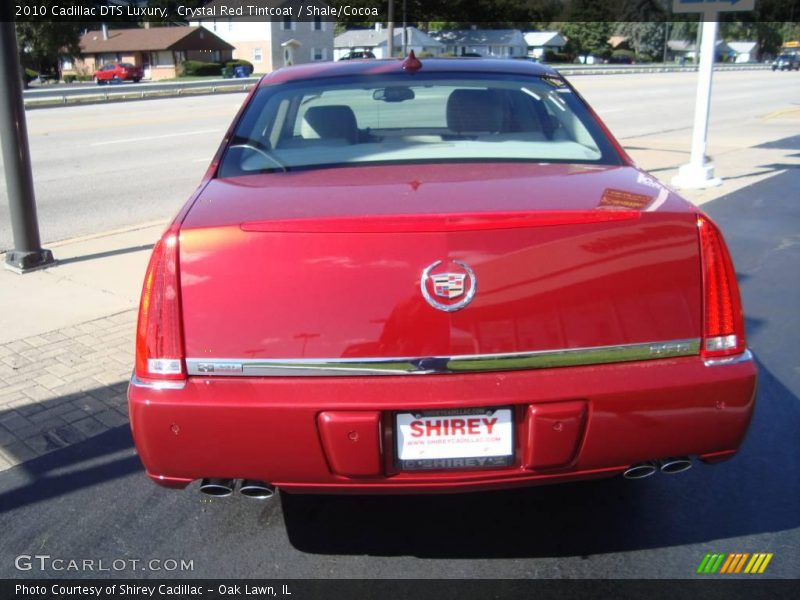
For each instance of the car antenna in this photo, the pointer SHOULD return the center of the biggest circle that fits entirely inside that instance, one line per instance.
(411, 63)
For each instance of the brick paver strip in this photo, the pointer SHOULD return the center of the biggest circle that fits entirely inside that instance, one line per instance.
(64, 386)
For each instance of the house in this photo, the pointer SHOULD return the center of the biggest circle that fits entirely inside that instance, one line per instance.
(495, 43)
(377, 41)
(273, 44)
(744, 52)
(686, 50)
(539, 42)
(619, 42)
(158, 50)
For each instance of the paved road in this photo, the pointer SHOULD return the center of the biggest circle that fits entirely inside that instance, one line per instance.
(106, 166)
(92, 501)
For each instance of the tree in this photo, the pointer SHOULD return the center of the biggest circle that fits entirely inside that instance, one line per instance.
(586, 37)
(646, 38)
(42, 44)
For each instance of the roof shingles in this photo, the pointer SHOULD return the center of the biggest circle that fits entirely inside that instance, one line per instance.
(150, 40)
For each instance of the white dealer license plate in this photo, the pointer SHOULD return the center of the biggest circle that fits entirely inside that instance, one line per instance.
(454, 439)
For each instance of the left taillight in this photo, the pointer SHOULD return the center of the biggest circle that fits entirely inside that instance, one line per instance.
(159, 333)
(723, 321)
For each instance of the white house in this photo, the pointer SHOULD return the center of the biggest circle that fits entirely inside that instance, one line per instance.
(684, 49)
(270, 45)
(377, 41)
(495, 43)
(539, 42)
(744, 52)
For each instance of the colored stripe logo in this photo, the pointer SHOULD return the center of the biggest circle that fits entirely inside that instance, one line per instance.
(734, 563)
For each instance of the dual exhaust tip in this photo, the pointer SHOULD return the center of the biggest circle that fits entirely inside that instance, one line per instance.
(677, 464)
(251, 488)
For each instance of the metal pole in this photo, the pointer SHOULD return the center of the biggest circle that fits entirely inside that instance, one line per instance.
(697, 173)
(27, 253)
(390, 30)
(405, 27)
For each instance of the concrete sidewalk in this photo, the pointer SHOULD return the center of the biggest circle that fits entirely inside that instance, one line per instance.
(67, 333)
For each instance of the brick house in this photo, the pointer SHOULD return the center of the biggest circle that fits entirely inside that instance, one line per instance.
(159, 50)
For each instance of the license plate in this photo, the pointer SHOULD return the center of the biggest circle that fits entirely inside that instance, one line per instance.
(454, 439)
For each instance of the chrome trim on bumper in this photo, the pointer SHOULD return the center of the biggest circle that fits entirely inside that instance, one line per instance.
(730, 360)
(432, 365)
(157, 385)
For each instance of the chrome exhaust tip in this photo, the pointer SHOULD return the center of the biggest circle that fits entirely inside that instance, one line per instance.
(677, 464)
(219, 488)
(256, 489)
(640, 471)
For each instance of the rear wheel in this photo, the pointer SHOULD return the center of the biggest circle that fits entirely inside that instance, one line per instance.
(98, 81)
(137, 79)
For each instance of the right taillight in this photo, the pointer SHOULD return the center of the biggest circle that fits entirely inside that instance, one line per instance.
(723, 322)
(159, 334)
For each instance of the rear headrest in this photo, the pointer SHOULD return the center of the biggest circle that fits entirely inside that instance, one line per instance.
(474, 111)
(333, 122)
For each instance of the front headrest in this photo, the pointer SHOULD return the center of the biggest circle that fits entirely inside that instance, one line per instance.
(474, 111)
(333, 122)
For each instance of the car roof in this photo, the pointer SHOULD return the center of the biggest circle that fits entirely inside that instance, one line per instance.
(389, 66)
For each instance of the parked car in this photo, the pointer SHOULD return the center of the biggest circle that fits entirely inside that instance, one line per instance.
(786, 62)
(118, 72)
(358, 55)
(404, 278)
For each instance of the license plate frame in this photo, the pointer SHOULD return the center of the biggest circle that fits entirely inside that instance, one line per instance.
(466, 461)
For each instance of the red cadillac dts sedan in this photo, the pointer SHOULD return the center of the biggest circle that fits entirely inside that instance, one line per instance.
(446, 275)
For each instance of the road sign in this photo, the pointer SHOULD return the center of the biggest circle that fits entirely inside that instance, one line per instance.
(712, 6)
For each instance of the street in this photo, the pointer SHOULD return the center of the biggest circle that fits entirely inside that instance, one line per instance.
(107, 166)
(111, 166)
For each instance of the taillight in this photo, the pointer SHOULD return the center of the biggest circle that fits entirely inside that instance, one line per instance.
(723, 322)
(159, 334)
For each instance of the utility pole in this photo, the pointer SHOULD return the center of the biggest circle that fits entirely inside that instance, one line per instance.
(698, 173)
(27, 253)
(390, 30)
(405, 27)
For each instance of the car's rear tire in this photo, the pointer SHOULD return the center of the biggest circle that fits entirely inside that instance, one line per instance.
(137, 79)
(98, 81)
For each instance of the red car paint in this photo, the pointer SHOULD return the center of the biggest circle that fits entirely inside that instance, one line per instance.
(325, 264)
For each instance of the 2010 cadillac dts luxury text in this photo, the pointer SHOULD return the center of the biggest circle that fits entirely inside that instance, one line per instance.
(428, 276)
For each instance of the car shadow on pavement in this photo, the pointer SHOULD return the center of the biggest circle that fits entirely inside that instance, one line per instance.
(99, 459)
(65, 443)
(752, 493)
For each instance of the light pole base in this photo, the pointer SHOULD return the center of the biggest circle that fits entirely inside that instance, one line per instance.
(25, 262)
(693, 177)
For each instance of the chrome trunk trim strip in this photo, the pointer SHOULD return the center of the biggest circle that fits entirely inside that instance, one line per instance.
(434, 365)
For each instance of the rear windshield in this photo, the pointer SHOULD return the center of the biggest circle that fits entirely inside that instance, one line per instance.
(421, 118)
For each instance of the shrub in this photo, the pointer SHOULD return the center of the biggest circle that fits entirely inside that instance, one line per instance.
(622, 53)
(557, 57)
(70, 78)
(200, 68)
(239, 63)
(30, 75)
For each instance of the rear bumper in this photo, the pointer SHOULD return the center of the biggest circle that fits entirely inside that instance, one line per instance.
(570, 423)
